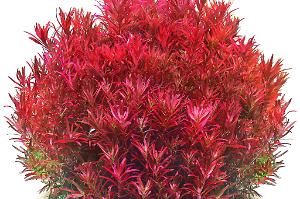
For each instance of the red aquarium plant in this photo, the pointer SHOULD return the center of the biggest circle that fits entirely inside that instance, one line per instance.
(150, 99)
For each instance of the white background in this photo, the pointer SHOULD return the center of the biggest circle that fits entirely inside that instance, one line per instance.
(275, 24)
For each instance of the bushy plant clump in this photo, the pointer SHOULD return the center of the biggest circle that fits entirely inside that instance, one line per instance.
(150, 99)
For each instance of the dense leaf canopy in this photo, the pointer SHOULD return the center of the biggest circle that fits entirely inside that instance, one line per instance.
(150, 99)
